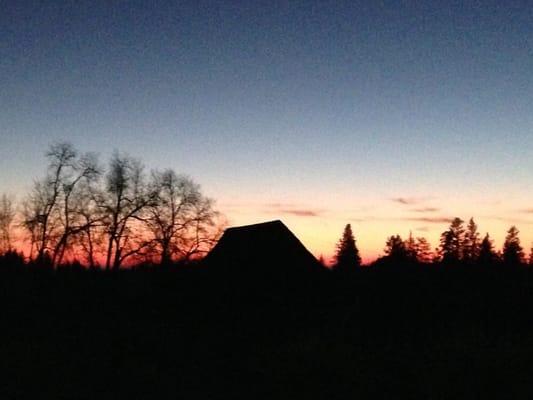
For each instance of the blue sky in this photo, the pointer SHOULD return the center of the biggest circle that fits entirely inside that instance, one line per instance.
(330, 107)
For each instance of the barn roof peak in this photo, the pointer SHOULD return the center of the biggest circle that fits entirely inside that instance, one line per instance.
(267, 243)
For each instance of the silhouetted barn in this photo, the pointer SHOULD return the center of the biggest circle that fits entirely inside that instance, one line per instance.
(268, 246)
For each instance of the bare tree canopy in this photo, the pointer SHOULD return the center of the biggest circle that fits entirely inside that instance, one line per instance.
(52, 210)
(124, 203)
(181, 220)
(73, 211)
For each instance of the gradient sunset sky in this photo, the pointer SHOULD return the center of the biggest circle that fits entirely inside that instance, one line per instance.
(389, 115)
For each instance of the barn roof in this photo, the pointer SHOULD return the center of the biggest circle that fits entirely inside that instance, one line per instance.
(268, 244)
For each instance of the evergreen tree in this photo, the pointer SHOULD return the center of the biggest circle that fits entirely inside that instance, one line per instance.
(530, 260)
(423, 251)
(471, 242)
(513, 253)
(487, 255)
(451, 242)
(347, 256)
(395, 249)
(411, 248)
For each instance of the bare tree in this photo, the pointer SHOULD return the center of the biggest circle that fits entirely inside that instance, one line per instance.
(30, 213)
(182, 222)
(38, 211)
(123, 205)
(49, 213)
(73, 212)
(7, 217)
(205, 228)
(89, 222)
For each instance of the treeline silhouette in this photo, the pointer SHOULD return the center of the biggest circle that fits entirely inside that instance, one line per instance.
(459, 246)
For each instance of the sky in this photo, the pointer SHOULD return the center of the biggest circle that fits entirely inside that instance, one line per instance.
(394, 116)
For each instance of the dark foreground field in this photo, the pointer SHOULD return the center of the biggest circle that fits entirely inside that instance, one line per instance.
(431, 334)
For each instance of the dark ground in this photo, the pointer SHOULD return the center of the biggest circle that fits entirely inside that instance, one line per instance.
(433, 334)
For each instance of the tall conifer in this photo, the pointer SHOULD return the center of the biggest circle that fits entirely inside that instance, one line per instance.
(347, 256)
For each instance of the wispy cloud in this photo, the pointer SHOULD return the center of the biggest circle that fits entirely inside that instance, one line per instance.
(430, 220)
(278, 209)
(409, 201)
(279, 205)
(292, 209)
(425, 209)
(404, 200)
(301, 213)
(359, 219)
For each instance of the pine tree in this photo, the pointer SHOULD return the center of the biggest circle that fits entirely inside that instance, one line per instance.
(451, 242)
(513, 254)
(471, 242)
(487, 255)
(395, 249)
(347, 256)
(530, 260)
(411, 248)
(423, 251)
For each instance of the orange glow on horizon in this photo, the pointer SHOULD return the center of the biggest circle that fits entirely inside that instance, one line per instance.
(320, 231)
